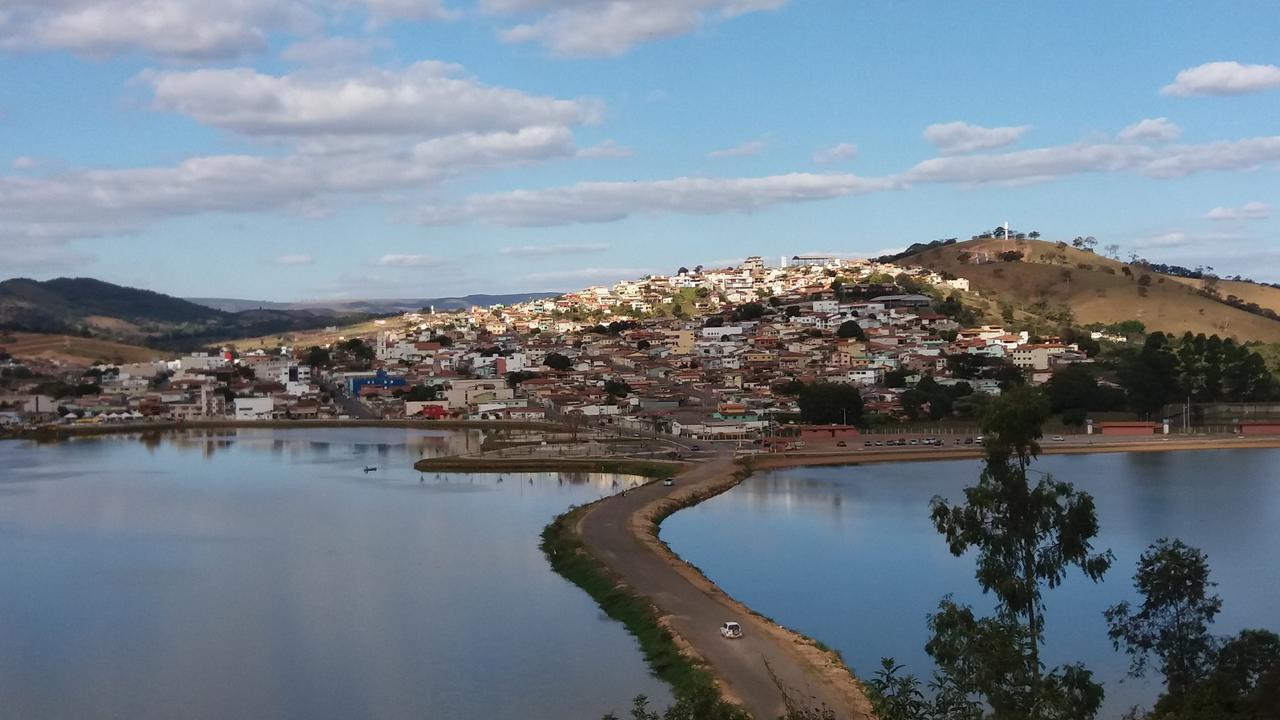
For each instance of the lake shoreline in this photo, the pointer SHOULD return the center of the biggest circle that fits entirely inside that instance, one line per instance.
(927, 453)
(52, 433)
(644, 524)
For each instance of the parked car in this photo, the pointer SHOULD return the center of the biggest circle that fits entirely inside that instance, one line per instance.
(880, 443)
(968, 441)
(842, 444)
(731, 630)
(1058, 438)
(697, 447)
(868, 444)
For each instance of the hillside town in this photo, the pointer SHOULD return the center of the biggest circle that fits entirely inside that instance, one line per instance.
(701, 353)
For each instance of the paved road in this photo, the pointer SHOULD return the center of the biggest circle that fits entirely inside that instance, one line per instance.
(695, 608)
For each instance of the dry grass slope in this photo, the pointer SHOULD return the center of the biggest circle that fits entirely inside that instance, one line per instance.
(76, 351)
(1096, 289)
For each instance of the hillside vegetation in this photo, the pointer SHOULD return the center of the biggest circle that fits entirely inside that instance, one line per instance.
(1055, 284)
(92, 308)
(71, 350)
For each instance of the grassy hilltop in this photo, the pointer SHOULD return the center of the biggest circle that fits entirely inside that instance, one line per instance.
(1052, 279)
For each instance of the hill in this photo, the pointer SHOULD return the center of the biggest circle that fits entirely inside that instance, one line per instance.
(71, 350)
(375, 306)
(92, 308)
(1048, 284)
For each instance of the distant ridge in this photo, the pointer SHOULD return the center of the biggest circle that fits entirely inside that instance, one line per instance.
(374, 306)
(89, 308)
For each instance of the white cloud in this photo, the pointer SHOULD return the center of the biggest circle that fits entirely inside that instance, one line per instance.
(1041, 164)
(294, 260)
(1175, 238)
(606, 149)
(746, 149)
(329, 51)
(410, 261)
(960, 137)
(24, 162)
(550, 250)
(1248, 211)
(597, 202)
(601, 28)
(180, 29)
(1224, 78)
(427, 99)
(588, 274)
(93, 203)
(381, 11)
(1159, 129)
(839, 152)
(187, 30)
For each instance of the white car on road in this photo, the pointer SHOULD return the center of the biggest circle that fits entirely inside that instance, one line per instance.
(731, 630)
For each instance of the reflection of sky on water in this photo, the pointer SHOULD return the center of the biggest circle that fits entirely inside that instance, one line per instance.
(849, 555)
(256, 573)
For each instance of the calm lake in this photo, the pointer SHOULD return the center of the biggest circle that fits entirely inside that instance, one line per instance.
(259, 573)
(848, 554)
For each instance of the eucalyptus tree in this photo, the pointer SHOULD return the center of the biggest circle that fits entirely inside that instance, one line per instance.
(1172, 622)
(1026, 536)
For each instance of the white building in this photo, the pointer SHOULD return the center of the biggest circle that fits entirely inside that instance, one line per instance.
(254, 408)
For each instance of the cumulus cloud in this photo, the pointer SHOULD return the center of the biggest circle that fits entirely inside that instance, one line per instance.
(596, 202)
(92, 203)
(1041, 164)
(839, 152)
(1154, 129)
(954, 138)
(1182, 239)
(601, 28)
(381, 11)
(179, 29)
(186, 30)
(409, 261)
(330, 50)
(1224, 78)
(24, 162)
(1176, 238)
(595, 274)
(550, 250)
(428, 99)
(1248, 211)
(746, 149)
(606, 149)
(293, 260)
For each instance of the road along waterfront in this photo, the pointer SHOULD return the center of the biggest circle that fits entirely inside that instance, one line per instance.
(621, 531)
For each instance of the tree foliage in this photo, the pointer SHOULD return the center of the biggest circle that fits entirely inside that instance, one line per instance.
(826, 403)
(1026, 537)
(850, 329)
(1173, 621)
(1204, 369)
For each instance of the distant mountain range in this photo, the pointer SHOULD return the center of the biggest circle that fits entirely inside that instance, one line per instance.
(374, 306)
(97, 309)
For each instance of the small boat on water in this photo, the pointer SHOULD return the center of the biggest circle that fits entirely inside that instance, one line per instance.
(369, 469)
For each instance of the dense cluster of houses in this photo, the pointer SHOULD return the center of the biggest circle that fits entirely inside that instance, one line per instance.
(701, 353)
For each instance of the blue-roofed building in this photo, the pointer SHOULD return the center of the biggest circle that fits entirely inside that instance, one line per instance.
(379, 379)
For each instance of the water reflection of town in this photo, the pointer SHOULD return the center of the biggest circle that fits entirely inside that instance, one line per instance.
(397, 447)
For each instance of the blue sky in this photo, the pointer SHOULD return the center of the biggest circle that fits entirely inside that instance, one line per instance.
(298, 149)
